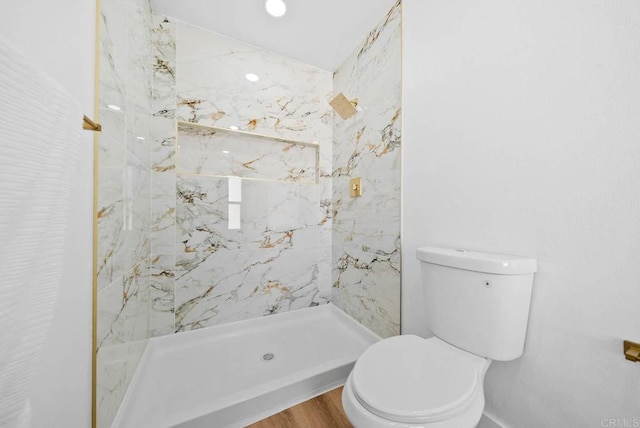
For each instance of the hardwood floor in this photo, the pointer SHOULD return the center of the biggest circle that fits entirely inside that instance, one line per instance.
(324, 411)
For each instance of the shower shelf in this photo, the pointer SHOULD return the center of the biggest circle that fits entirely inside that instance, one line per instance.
(213, 151)
(246, 133)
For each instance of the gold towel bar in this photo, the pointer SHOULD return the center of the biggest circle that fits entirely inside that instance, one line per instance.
(90, 125)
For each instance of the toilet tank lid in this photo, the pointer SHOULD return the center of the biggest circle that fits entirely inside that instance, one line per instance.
(501, 264)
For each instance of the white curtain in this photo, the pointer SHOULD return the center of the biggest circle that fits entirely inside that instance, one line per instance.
(40, 124)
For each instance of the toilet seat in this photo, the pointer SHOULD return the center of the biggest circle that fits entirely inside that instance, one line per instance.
(410, 379)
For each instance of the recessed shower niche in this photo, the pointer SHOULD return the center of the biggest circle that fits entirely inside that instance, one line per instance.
(213, 151)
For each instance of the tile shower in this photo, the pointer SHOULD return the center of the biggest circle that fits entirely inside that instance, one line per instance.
(235, 205)
(204, 272)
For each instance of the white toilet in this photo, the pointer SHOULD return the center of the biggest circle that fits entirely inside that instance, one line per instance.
(477, 306)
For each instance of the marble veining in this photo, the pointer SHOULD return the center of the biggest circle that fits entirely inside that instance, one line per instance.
(164, 66)
(171, 256)
(207, 151)
(162, 298)
(163, 145)
(115, 368)
(376, 36)
(202, 272)
(124, 199)
(269, 265)
(366, 230)
(163, 231)
(246, 284)
(123, 313)
(163, 165)
(288, 101)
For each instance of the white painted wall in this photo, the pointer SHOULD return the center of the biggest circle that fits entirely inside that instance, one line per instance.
(522, 135)
(59, 37)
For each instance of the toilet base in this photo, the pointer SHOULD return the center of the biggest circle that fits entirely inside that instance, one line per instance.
(363, 418)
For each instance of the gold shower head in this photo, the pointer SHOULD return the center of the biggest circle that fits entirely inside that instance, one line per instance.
(344, 107)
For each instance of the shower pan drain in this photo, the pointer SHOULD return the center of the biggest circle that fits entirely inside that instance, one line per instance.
(268, 357)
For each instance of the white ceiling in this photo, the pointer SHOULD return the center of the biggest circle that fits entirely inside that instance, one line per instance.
(318, 32)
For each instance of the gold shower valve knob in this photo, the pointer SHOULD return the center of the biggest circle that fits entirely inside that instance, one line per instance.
(355, 187)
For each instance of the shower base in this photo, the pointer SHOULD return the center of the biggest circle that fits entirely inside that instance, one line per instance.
(236, 374)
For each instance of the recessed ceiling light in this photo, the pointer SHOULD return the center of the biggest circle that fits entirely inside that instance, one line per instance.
(140, 138)
(251, 77)
(226, 152)
(275, 8)
(113, 107)
(233, 128)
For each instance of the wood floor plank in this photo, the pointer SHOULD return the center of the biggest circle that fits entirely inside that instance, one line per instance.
(324, 411)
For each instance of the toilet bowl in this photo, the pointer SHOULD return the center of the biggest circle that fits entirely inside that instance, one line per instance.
(408, 381)
(477, 306)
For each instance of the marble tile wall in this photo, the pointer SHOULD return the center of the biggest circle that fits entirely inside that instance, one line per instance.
(124, 198)
(203, 273)
(268, 265)
(163, 172)
(366, 230)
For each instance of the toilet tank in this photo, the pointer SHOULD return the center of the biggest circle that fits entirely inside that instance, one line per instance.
(477, 301)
